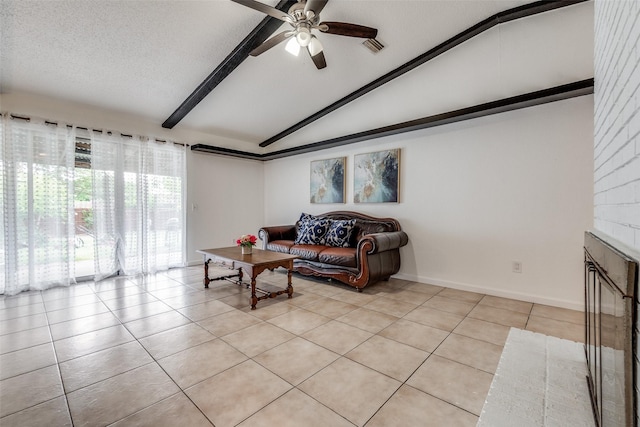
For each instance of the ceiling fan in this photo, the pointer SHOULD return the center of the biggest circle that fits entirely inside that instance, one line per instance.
(304, 17)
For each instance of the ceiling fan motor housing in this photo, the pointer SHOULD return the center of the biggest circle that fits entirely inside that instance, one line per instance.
(303, 23)
(297, 11)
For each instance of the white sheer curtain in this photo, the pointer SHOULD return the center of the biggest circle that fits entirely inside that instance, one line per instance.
(138, 192)
(37, 167)
(138, 204)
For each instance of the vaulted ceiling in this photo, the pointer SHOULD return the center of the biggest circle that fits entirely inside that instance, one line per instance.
(146, 57)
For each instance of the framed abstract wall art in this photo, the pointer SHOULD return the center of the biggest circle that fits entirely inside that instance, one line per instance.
(327, 183)
(376, 177)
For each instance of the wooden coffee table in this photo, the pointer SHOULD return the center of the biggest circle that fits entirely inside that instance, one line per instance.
(252, 264)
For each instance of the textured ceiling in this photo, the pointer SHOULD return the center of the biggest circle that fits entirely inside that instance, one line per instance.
(145, 57)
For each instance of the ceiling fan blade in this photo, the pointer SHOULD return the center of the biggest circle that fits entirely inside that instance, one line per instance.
(315, 51)
(277, 39)
(315, 5)
(345, 29)
(261, 7)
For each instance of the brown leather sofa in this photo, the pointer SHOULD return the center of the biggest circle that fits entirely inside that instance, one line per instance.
(372, 254)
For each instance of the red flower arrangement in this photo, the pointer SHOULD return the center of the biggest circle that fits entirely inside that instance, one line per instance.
(247, 240)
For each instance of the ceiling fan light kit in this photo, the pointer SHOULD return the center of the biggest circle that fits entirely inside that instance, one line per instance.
(303, 36)
(292, 47)
(314, 46)
(304, 17)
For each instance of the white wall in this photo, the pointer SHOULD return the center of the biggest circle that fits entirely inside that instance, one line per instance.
(89, 116)
(617, 121)
(228, 198)
(476, 196)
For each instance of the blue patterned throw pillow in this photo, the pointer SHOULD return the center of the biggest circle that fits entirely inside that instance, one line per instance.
(304, 217)
(339, 233)
(311, 230)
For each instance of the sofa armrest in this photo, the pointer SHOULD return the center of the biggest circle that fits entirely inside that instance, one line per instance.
(381, 242)
(279, 232)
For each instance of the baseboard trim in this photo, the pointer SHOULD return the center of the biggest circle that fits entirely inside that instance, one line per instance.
(537, 299)
(193, 263)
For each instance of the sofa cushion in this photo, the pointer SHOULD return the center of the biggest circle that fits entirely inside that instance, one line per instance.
(345, 257)
(339, 233)
(282, 246)
(308, 252)
(311, 230)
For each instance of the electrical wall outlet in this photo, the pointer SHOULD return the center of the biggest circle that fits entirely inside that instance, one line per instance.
(516, 267)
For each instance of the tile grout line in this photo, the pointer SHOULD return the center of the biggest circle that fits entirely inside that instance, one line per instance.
(57, 364)
(293, 387)
(154, 360)
(129, 370)
(172, 309)
(404, 383)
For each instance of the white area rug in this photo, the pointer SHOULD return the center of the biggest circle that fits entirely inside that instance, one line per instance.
(540, 381)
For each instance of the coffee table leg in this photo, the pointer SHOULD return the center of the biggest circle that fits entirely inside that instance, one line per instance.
(289, 287)
(206, 274)
(254, 298)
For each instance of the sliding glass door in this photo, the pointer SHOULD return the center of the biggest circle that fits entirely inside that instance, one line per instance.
(83, 204)
(138, 205)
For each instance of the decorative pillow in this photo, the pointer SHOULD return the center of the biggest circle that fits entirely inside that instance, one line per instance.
(306, 217)
(311, 230)
(339, 233)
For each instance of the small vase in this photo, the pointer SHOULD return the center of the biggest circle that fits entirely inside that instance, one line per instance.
(246, 250)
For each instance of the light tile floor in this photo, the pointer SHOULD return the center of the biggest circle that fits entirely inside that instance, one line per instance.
(161, 350)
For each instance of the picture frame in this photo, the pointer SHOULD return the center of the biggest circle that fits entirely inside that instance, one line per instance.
(327, 183)
(376, 177)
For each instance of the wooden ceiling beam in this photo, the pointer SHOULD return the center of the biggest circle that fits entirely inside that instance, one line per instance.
(256, 37)
(557, 93)
(492, 21)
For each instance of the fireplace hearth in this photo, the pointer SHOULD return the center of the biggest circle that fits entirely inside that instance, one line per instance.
(611, 333)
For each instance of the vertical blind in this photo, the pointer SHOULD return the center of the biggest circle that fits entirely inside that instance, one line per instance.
(137, 191)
